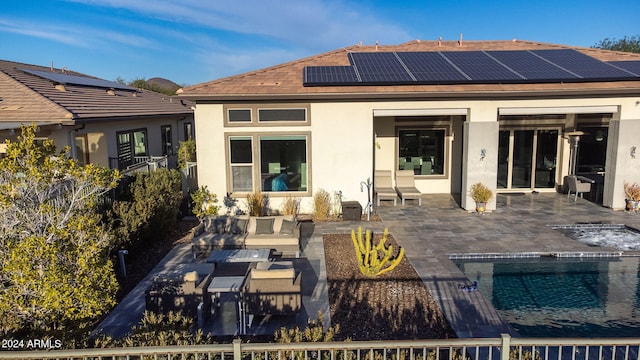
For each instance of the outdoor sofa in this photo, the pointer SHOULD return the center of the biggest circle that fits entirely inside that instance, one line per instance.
(279, 233)
(179, 294)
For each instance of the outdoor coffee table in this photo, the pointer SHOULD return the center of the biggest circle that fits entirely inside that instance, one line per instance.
(240, 255)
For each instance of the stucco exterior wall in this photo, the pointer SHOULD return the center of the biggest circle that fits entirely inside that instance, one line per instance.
(347, 142)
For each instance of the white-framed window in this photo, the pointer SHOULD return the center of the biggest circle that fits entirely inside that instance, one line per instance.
(241, 163)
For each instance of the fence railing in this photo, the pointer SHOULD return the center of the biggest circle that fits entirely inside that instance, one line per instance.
(504, 348)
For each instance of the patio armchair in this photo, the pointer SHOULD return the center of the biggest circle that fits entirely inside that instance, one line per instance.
(577, 186)
(406, 187)
(273, 288)
(383, 188)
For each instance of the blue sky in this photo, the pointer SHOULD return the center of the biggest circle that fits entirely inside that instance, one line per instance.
(194, 41)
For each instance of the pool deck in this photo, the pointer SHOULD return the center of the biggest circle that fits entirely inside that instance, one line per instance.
(430, 234)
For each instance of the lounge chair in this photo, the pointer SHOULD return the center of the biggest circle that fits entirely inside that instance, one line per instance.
(383, 186)
(406, 187)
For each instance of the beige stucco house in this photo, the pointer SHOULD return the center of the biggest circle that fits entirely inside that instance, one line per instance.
(103, 122)
(498, 112)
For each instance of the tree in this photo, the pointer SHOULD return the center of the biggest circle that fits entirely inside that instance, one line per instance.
(626, 44)
(55, 271)
(150, 208)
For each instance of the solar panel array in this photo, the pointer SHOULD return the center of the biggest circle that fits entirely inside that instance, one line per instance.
(460, 67)
(62, 78)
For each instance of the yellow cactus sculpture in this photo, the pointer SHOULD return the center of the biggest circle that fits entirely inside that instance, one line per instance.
(374, 260)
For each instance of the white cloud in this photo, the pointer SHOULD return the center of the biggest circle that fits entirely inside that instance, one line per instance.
(323, 24)
(74, 34)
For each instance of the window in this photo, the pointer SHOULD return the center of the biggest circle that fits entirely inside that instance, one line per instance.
(239, 115)
(422, 151)
(283, 163)
(269, 163)
(241, 163)
(132, 147)
(82, 153)
(188, 131)
(165, 135)
(282, 115)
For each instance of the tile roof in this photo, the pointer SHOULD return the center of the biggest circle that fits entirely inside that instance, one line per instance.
(285, 81)
(25, 97)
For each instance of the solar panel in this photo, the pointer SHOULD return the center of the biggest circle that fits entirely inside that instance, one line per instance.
(330, 75)
(431, 67)
(530, 66)
(582, 65)
(77, 80)
(460, 67)
(631, 66)
(380, 67)
(480, 66)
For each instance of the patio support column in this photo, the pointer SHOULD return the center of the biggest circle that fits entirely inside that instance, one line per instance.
(623, 160)
(479, 159)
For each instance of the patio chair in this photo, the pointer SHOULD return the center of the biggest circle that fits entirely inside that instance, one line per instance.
(406, 187)
(383, 187)
(577, 186)
(273, 288)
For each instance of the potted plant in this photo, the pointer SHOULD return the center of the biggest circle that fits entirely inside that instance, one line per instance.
(481, 194)
(632, 196)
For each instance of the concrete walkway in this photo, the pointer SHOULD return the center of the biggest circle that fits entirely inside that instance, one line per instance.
(430, 234)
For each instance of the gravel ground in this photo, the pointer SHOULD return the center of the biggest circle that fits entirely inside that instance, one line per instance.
(393, 306)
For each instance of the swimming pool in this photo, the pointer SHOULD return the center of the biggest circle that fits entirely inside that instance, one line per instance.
(550, 297)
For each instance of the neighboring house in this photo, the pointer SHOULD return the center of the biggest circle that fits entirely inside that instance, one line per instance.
(104, 122)
(498, 112)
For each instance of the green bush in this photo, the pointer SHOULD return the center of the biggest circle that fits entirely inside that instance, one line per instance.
(186, 153)
(204, 203)
(150, 207)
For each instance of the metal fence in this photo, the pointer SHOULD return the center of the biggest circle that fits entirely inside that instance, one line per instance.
(504, 348)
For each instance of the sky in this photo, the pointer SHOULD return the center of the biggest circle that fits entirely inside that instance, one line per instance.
(195, 41)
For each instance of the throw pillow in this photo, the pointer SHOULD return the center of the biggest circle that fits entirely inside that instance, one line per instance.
(238, 226)
(287, 227)
(264, 226)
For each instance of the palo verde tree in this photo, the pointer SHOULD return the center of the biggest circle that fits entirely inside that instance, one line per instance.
(55, 272)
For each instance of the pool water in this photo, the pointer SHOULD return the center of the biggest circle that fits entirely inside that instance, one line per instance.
(620, 237)
(549, 297)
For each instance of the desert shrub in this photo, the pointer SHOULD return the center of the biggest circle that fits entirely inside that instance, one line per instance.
(159, 330)
(480, 192)
(632, 191)
(291, 206)
(313, 332)
(256, 203)
(204, 203)
(150, 207)
(321, 204)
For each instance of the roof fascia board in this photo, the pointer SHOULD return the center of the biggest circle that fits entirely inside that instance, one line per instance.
(458, 95)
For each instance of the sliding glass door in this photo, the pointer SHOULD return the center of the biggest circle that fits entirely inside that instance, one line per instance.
(527, 159)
